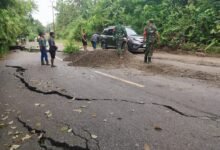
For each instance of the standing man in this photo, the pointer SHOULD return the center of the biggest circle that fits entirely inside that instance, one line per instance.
(42, 43)
(150, 35)
(119, 35)
(94, 40)
(52, 48)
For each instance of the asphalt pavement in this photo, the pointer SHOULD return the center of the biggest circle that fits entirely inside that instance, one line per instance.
(79, 108)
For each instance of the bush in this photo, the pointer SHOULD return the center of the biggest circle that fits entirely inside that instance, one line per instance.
(188, 46)
(32, 37)
(214, 50)
(71, 47)
(3, 50)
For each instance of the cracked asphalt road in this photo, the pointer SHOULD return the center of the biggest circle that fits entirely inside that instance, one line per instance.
(74, 108)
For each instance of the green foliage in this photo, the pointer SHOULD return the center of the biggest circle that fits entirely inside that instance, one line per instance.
(214, 50)
(4, 4)
(3, 50)
(14, 16)
(188, 46)
(180, 22)
(71, 47)
(34, 27)
(32, 36)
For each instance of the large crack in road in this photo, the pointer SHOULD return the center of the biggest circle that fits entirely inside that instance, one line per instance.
(213, 118)
(21, 70)
(34, 89)
(44, 140)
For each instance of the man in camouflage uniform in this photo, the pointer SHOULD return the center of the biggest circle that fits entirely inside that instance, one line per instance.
(119, 35)
(150, 35)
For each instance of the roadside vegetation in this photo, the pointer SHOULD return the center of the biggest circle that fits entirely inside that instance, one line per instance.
(191, 25)
(16, 22)
(71, 47)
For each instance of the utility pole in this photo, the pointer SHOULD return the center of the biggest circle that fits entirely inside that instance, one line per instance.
(53, 16)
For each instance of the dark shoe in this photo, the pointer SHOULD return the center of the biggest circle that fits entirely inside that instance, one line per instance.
(52, 66)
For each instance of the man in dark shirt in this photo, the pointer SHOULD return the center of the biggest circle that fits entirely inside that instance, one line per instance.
(52, 48)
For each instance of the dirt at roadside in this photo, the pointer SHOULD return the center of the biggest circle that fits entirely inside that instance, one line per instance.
(180, 72)
(99, 58)
(110, 59)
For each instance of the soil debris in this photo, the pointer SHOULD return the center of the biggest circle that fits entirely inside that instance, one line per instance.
(110, 59)
(99, 58)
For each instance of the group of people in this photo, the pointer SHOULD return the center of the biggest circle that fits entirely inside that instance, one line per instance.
(94, 40)
(43, 48)
(151, 36)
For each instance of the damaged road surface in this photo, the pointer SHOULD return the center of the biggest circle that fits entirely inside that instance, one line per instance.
(74, 108)
(45, 141)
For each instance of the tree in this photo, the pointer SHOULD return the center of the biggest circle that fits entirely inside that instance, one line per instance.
(180, 22)
(14, 16)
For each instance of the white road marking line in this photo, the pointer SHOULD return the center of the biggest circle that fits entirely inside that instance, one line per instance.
(59, 58)
(120, 79)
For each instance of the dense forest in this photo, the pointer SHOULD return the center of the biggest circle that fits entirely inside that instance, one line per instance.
(185, 24)
(16, 22)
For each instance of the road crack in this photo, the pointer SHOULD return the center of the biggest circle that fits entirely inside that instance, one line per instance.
(97, 141)
(213, 118)
(34, 89)
(84, 138)
(44, 140)
(87, 140)
(19, 69)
